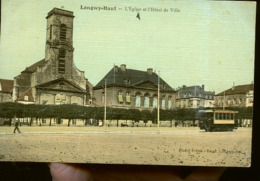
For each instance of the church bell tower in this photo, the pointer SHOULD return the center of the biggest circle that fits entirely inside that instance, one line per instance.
(59, 45)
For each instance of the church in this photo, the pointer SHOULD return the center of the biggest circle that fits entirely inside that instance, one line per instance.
(55, 79)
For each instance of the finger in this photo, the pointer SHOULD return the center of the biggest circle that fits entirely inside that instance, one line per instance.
(205, 174)
(68, 172)
(136, 174)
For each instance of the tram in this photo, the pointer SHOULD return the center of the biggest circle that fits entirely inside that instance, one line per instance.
(217, 120)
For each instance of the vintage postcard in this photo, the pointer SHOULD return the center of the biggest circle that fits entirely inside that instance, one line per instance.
(127, 82)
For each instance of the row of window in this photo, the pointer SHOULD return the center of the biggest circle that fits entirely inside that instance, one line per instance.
(224, 116)
(232, 102)
(147, 102)
(153, 103)
(184, 95)
(58, 97)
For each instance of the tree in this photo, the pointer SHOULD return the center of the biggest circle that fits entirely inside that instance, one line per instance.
(146, 115)
(134, 115)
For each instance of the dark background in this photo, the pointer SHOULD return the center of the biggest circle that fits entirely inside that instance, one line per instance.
(31, 171)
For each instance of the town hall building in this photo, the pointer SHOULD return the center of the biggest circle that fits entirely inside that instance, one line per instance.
(135, 89)
(55, 79)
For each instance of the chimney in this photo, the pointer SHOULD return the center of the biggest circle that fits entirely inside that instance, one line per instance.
(233, 86)
(150, 71)
(123, 67)
(203, 86)
(116, 68)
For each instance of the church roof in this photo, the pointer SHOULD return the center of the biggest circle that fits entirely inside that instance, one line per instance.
(240, 89)
(50, 85)
(28, 93)
(33, 67)
(119, 77)
(6, 86)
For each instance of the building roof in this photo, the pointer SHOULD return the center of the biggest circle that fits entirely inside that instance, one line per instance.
(33, 67)
(118, 77)
(91, 103)
(191, 88)
(62, 12)
(240, 89)
(6, 86)
(195, 92)
(28, 93)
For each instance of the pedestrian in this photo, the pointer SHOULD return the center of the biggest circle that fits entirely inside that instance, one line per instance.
(16, 127)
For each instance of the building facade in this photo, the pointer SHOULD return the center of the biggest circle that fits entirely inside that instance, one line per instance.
(54, 79)
(129, 88)
(237, 96)
(194, 97)
(6, 89)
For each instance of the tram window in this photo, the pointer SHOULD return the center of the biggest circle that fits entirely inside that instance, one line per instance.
(220, 116)
(216, 116)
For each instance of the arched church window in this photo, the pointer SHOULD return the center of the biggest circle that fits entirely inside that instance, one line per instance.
(63, 30)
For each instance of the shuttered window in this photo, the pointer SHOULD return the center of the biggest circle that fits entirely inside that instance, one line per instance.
(62, 55)
(128, 100)
(63, 30)
(120, 98)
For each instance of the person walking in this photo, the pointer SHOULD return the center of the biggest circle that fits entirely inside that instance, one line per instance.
(16, 127)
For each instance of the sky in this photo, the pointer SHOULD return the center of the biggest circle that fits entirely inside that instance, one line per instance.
(189, 43)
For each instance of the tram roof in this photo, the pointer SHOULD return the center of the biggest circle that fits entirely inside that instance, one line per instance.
(217, 111)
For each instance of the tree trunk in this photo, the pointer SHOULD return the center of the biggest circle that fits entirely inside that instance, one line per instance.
(69, 123)
(31, 121)
(10, 119)
(117, 122)
(50, 122)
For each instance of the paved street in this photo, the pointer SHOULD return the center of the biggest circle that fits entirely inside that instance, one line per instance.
(127, 145)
